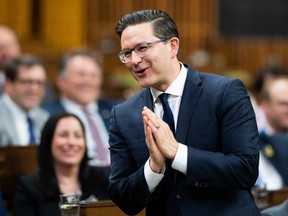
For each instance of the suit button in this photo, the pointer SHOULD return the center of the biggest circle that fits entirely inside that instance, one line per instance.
(178, 196)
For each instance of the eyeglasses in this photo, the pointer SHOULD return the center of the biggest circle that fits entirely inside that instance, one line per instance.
(141, 50)
(28, 82)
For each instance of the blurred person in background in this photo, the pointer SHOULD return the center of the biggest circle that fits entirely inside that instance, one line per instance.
(80, 81)
(273, 130)
(21, 116)
(9, 49)
(63, 169)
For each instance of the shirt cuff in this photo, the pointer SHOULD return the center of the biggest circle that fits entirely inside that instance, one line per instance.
(180, 161)
(152, 178)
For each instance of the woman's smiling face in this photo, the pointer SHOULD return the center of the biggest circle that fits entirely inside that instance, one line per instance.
(68, 143)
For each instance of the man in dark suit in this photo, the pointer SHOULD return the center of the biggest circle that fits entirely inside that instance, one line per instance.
(80, 81)
(211, 163)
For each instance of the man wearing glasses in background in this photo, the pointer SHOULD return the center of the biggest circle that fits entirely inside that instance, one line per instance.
(21, 117)
(202, 158)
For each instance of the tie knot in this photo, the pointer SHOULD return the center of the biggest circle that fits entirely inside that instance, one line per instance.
(29, 119)
(163, 97)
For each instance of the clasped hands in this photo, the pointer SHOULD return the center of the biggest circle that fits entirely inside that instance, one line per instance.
(159, 138)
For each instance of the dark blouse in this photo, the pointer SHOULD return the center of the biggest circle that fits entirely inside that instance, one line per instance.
(31, 199)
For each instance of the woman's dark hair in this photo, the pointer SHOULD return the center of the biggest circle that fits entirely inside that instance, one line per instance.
(163, 25)
(45, 158)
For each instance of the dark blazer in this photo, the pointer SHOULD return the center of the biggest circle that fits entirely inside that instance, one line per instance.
(217, 123)
(274, 149)
(31, 200)
(105, 107)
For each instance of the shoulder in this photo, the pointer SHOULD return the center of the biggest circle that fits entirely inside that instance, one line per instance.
(135, 99)
(27, 184)
(109, 102)
(208, 78)
(55, 106)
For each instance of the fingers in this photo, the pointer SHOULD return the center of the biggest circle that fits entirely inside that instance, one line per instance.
(160, 133)
(157, 159)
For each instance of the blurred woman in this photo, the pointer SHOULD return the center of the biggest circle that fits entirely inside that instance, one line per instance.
(63, 169)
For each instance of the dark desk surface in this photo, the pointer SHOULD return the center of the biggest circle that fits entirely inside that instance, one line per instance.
(14, 162)
(103, 208)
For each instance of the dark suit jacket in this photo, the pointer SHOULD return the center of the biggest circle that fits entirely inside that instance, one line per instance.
(274, 149)
(105, 107)
(217, 123)
(31, 200)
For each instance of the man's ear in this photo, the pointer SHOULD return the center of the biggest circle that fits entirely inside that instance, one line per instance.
(174, 44)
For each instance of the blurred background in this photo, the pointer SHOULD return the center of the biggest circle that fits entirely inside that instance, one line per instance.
(231, 37)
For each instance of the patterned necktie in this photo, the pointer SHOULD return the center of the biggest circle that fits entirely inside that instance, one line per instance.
(101, 150)
(168, 115)
(32, 137)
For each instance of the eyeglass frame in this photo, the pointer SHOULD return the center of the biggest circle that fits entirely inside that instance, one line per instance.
(135, 49)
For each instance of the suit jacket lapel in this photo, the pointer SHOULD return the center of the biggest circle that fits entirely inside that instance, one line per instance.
(146, 100)
(191, 93)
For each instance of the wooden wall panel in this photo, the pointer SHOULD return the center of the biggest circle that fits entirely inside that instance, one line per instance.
(67, 24)
(64, 23)
(16, 14)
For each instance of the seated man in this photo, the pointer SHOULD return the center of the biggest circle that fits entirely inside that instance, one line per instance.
(79, 81)
(21, 117)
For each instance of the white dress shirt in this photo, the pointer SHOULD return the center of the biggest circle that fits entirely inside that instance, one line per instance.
(175, 91)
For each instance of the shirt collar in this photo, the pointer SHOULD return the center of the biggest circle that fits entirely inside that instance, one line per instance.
(15, 109)
(176, 88)
(91, 107)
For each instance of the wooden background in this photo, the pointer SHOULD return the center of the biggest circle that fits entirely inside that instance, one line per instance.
(50, 27)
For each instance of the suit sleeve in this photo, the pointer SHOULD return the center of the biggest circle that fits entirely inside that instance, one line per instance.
(127, 188)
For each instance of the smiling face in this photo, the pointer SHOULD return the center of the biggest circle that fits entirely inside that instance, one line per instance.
(28, 89)
(68, 143)
(160, 66)
(81, 81)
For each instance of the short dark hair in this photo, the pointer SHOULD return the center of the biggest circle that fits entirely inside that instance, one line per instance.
(84, 52)
(264, 72)
(27, 60)
(45, 157)
(163, 25)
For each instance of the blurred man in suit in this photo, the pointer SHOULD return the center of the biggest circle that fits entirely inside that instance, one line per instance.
(21, 117)
(80, 81)
(273, 129)
(9, 49)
